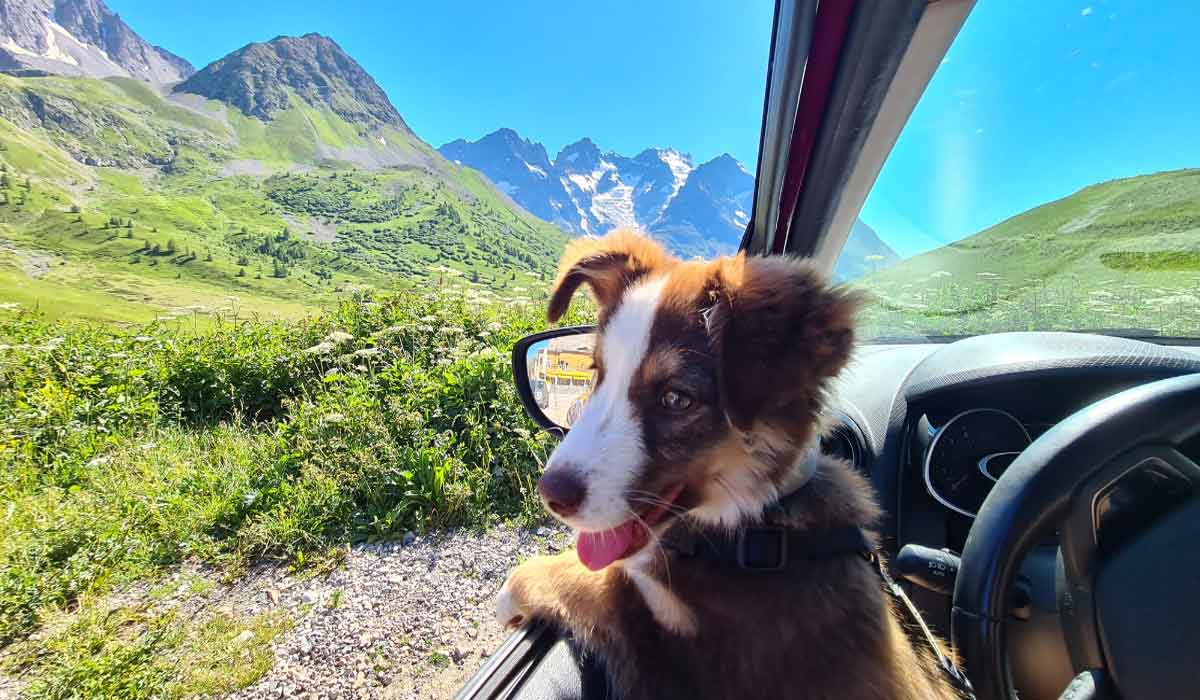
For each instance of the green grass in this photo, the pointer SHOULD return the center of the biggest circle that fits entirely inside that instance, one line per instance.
(137, 652)
(126, 452)
(1122, 254)
(187, 235)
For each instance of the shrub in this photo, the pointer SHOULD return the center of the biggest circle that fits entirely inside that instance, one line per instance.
(124, 451)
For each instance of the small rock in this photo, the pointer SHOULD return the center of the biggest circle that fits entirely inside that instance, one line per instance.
(311, 597)
(243, 637)
(543, 532)
(409, 538)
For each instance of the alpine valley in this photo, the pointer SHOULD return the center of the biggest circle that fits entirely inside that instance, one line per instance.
(281, 175)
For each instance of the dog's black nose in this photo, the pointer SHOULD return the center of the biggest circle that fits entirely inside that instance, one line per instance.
(562, 490)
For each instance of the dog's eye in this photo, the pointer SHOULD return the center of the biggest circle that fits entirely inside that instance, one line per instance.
(675, 401)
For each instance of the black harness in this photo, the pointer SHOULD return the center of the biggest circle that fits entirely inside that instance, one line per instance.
(771, 548)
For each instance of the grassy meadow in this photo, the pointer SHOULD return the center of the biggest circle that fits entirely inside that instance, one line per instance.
(1122, 255)
(126, 451)
(119, 203)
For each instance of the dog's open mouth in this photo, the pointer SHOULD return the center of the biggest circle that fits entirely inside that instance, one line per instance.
(599, 548)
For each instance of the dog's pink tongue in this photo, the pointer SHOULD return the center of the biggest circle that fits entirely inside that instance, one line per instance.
(599, 549)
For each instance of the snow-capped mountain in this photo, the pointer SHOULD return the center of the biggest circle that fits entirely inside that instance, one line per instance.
(696, 210)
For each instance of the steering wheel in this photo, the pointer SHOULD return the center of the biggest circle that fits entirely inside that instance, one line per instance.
(1114, 480)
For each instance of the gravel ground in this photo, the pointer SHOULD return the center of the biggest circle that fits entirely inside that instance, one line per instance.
(410, 619)
(396, 620)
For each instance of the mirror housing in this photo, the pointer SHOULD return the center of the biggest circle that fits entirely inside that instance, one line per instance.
(553, 373)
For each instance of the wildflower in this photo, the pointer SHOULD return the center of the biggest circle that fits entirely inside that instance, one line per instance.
(322, 348)
(366, 352)
(495, 326)
(143, 339)
(333, 418)
(338, 337)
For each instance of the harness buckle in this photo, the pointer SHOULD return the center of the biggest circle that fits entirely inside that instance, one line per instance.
(762, 548)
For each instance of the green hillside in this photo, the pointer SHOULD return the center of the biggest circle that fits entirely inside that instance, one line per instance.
(1123, 254)
(120, 203)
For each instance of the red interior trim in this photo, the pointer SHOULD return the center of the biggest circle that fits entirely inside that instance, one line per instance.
(829, 34)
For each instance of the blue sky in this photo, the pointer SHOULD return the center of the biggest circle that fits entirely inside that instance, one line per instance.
(627, 73)
(1037, 98)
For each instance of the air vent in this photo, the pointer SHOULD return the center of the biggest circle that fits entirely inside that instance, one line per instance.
(845, 441)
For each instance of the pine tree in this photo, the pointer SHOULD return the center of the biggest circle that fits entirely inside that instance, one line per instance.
(170, 246)
(208, 256)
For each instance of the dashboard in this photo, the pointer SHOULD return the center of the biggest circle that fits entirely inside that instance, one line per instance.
(933, 426)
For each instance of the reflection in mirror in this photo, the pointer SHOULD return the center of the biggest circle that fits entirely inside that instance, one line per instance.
(561, 376)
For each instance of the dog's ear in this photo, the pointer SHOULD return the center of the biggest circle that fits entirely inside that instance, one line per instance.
(780, 332)
(608, 265)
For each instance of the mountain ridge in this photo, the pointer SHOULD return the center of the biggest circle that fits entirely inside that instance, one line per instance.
(587, 190)
(260, 77)
(80, 38)
(696, 209)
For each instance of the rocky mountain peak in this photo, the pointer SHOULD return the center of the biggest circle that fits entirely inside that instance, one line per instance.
(260, 78)
(82, 38)
(583, 155)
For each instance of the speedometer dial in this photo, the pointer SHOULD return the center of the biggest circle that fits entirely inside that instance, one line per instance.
(968, 454)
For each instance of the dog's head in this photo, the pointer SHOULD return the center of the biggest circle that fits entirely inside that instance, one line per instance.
(709, 380)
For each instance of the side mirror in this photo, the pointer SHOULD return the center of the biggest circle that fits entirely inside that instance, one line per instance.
(554, 376)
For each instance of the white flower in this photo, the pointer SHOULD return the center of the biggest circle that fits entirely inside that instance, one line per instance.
(322, 348)
(339, 337)
(333, 418)
(366, 352)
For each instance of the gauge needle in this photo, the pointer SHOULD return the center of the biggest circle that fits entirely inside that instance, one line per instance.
(954, 486)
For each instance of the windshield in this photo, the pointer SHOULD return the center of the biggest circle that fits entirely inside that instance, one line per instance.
(1046, 180)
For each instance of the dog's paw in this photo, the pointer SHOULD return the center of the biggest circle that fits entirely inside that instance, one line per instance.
(509, 611)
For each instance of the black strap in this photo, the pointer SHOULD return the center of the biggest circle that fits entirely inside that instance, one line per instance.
(767, 548)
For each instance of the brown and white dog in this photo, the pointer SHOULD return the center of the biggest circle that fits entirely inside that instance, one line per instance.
(709, 386)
